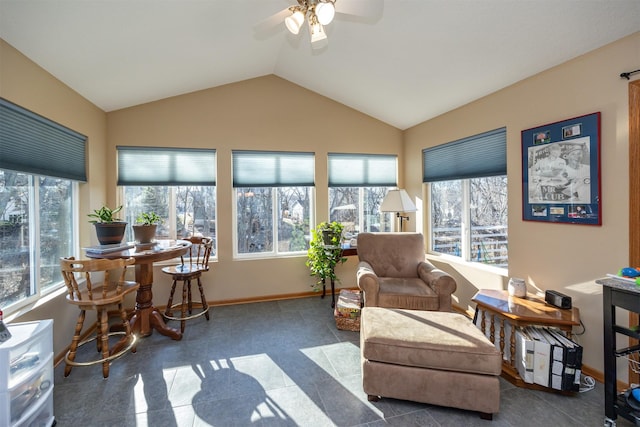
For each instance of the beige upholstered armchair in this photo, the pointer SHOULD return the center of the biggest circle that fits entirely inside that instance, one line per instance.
(393, 273)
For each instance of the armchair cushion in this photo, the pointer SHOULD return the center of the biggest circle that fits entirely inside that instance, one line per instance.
(393, 273)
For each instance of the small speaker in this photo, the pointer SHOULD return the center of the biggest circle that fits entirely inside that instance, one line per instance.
(557, 299)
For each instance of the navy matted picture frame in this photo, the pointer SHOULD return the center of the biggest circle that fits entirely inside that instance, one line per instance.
(561, 172)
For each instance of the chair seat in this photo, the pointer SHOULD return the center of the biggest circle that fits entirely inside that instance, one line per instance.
(405, 286)
(111, 298)
(185, 269)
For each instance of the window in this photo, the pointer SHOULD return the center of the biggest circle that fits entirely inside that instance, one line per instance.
(176, 184)
(357, 186)
(185, 210)
(468, 188)
(273, 202)
(38, 194)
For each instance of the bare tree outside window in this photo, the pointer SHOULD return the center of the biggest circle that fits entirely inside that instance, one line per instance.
(272, 220)
(358, 209)
(185, 210)
(469, 219)
(36, 221)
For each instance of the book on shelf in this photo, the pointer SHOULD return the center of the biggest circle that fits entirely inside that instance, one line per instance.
(105, 249)
(541, 357)
(524, 355)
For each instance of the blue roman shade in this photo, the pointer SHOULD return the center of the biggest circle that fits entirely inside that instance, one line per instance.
(273, 169)
(473, 157)
(31, 143)
(166, 166)
(363, 170)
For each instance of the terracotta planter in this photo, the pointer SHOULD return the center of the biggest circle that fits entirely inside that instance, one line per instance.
(110, 233)
(144, 233)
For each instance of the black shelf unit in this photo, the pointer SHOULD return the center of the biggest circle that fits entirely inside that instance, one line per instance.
(617, 293)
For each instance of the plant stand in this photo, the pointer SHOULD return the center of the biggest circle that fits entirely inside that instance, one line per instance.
(334, 252)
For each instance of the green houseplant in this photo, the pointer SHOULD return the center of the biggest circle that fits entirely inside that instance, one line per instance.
(109, 228)
(144, 230)
(325, 252)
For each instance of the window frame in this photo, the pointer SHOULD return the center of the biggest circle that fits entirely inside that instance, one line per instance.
(275, 202)
(474, 157)
(35, 235)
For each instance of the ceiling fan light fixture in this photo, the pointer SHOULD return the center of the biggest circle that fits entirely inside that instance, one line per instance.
(325, 11)
(294, 21)
(316, 30)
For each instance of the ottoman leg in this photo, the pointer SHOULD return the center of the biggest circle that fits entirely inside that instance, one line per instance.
(486, 416)
(372, 398)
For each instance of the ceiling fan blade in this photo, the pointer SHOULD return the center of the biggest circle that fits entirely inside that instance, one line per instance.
(369, 9)
(266, 25)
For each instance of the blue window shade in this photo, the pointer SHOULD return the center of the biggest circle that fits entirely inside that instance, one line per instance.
(473, 157)
(166, 166)
(273, 169)
(33, 144)
(363, 170)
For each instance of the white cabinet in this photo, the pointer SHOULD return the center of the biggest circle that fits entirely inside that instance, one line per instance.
(26, 375)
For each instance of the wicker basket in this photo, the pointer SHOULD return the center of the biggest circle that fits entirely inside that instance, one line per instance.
(348, 324)
(347, 311)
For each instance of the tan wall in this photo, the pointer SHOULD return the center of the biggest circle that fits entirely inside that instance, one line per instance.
(270, 113)
(266, 113)
(567, 258)
(26, 84)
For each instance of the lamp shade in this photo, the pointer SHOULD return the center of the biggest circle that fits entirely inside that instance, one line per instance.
(397, 201)
(325, 11)
(318, 36)
(294, 21)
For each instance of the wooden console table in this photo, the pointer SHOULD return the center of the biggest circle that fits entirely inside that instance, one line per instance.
(518, 312)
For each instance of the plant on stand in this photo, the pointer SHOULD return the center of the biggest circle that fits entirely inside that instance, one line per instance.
(145, 227)
(325, 252)
(109, 229)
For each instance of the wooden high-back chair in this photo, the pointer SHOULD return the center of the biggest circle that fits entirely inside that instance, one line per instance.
(91, 286)
(191, 268)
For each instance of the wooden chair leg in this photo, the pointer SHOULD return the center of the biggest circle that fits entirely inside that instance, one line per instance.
(104, 338)
(127, 327)
(189, 298)
(168, 311)
(185, 303)
(205, 306)
(73, 348)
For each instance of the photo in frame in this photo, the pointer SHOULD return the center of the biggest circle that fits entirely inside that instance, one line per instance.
(561, 172)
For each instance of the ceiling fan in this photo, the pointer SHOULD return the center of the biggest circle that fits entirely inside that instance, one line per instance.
(319, 13)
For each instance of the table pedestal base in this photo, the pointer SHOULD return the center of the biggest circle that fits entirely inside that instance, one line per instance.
(146, 317)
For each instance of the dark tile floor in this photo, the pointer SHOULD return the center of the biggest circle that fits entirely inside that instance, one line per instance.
(280, 363)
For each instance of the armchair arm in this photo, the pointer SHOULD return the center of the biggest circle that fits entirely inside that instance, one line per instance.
(368, 284)
(442, 283)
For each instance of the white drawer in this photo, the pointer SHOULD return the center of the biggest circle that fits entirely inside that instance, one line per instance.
(40, 415)
(30, 345)
(19, 402)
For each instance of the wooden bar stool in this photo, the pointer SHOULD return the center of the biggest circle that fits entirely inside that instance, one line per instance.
(98, 293)
(191, 269)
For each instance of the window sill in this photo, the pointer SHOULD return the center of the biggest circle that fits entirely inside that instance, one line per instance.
(454, 260)
(23, 309)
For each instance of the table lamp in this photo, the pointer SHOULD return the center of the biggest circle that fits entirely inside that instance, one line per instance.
(398, 201)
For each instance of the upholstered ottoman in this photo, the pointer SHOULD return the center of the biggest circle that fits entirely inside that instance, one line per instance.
(433, 357)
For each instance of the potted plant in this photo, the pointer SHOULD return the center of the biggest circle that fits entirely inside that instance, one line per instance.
(109, 229)
(144, 230)
(325, 252)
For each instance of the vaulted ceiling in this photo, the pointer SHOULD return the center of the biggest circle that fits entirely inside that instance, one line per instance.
(412, 61)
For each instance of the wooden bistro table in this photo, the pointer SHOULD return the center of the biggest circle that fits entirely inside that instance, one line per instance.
(146, 317)
(492, 304)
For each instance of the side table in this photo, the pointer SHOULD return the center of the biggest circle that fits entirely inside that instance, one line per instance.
(497, 304)
(337, 252)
